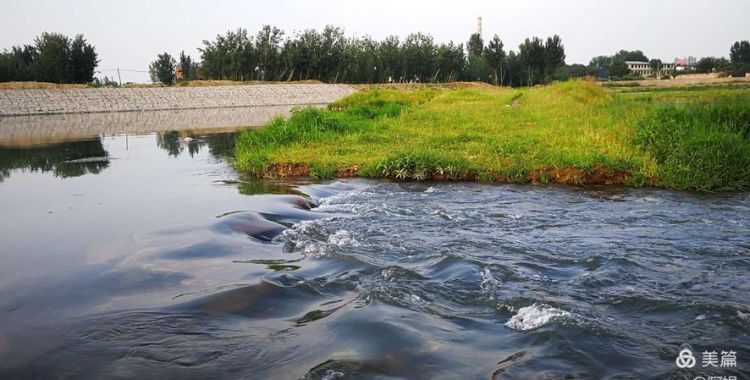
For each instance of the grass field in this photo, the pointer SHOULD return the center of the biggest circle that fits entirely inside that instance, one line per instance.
(573, 132)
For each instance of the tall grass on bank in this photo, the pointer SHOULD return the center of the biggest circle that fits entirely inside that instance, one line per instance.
(700, 146)
(352, 115)
(420, 165)
(573, 132)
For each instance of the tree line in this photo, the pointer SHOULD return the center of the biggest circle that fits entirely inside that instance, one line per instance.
(614, 66)
(53, 57)
(737, 65)
(330, 56)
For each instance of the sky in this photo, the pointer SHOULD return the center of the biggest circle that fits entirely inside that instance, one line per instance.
(130, 33)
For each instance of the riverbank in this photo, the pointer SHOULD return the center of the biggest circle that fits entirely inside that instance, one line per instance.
(30, 85)
(26, 102)
(573, 133)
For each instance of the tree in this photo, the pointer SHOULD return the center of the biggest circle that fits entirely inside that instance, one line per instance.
(618, 70)
(268, 47)
(289, 58)
(575, 70)
(625, 55)
(330, 50)
(162, 70)
(532, 55)
(418, 54)
(475, 46)
(53, 58)
(332, 57)
(601, 61)
(477, 69)
(6, 67)
(740, 52)
(450, 62)
(706, 65)
(655, 65)
(599, 66)
(554, 56)
(496, 57)
(389, 52)
(230, 56)
(309, 53)
(723, 65)
(514, 72)
(186, 65)
(358, 62)
(52, 62)
(19, 64)
(82, 62)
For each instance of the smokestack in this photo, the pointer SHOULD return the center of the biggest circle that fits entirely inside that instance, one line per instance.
(479, 25)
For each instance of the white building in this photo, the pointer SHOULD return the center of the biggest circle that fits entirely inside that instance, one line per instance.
(644, 68)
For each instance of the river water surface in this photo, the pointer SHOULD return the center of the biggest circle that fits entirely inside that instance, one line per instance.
(149, 257)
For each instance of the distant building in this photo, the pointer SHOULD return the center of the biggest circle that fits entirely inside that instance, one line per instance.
(644, 68)
(684, 63)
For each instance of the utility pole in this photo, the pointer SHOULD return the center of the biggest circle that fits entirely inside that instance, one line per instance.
(479, 25)
(118, 77)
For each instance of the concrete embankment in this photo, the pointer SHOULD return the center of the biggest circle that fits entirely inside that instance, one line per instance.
(94, 100)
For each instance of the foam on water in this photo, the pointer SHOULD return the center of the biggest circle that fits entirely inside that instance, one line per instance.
(535, 316)
(333, 375)
(342, 238)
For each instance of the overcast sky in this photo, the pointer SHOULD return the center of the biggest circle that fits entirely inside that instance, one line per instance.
(129, 33)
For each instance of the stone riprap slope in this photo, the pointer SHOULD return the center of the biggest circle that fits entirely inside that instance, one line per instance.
(89, 100)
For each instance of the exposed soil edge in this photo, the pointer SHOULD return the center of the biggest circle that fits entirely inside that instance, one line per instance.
(597, 175)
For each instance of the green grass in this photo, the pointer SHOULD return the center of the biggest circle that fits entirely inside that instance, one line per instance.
(621, 84)
(681, 88)
(569, 132)
(700, 146)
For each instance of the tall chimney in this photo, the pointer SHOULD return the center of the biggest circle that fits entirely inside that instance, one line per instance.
(479, 25)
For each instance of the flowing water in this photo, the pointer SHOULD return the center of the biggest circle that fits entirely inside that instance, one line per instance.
(148, 257)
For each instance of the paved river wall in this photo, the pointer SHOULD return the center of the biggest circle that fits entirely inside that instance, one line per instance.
(32, 130)
(94, 100)
(32, 117)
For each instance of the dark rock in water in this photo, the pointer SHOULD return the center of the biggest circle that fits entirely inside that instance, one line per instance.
(250, 224)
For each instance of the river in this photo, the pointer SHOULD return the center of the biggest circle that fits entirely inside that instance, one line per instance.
(147, 256)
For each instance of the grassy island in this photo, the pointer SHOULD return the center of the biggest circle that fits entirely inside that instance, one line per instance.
(573, 132)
